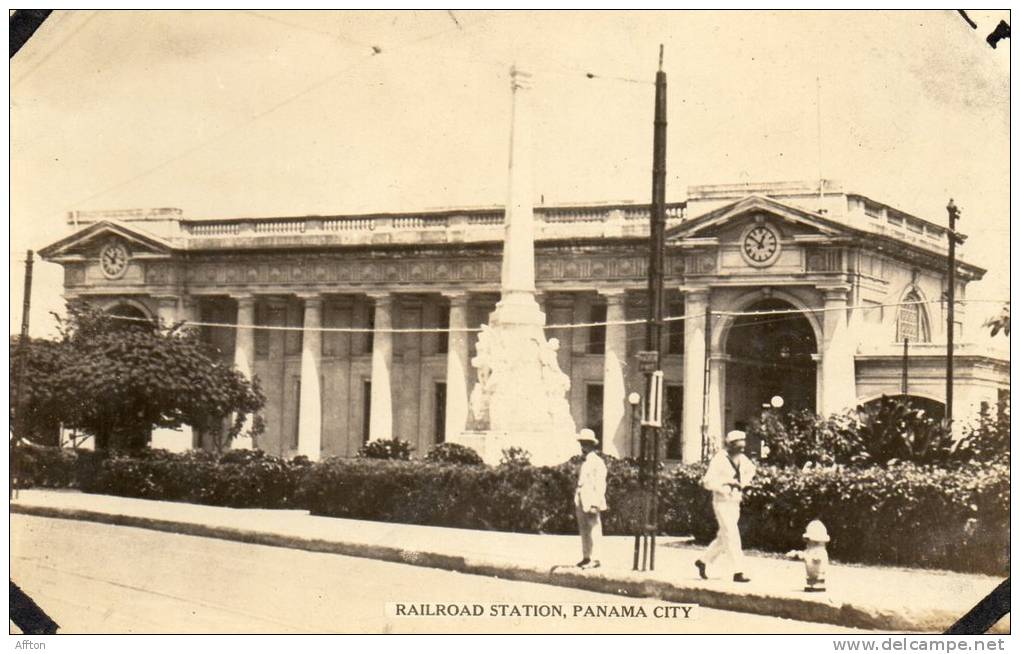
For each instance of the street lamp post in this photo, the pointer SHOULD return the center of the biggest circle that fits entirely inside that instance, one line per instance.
(634, 399)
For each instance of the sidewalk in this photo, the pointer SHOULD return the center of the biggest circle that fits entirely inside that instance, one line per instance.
(888, 599)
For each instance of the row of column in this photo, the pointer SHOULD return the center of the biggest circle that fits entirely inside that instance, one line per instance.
(457, 369)
(836, 375)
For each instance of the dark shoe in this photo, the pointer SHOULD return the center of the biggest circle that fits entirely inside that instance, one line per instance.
(740, 578)
(700, 565)
(583, 562)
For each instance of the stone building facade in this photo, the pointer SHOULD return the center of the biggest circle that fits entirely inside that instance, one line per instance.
(845, 280)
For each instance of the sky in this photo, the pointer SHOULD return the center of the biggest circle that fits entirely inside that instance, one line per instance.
(262, 113)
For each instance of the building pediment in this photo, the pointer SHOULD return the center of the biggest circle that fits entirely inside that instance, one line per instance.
(718, 223)
(88, 242)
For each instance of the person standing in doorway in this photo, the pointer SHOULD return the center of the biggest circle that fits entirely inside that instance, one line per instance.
(590, 499)
(729, 473)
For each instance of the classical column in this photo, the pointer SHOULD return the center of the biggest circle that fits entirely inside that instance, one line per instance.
(189, 309)
(310, 402)
(457, 365)
(839, 384)
(182, 438)
(380, 421)
(614, 385)
(166, 309)
(716, 392)
(694, 373)
(244, 354)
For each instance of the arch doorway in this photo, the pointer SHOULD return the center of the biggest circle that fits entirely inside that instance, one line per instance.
(767, 356)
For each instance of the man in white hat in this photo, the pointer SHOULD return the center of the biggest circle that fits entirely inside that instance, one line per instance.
(729, 472)
(590, 499)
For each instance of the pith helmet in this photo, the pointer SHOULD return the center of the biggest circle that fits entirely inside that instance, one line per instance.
(587, 436)
(734, 436)
(816, 532)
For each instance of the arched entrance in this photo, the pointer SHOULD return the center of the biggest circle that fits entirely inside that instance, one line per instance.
(769, 355)
(132, 315)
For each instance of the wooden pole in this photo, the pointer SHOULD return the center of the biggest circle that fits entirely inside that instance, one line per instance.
(19, 415)
(954, 214)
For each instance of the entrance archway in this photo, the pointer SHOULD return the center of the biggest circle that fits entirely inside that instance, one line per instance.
(134, 317)
(769, 355)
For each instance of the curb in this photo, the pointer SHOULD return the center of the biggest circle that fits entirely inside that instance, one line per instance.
(779, 606)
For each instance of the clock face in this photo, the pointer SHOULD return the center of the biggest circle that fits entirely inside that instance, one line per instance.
(761, 244)
(113, 260)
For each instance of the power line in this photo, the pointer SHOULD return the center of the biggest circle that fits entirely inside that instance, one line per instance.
(577, 325)
(279, 105)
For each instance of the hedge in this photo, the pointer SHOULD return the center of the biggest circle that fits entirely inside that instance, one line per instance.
(905, 514)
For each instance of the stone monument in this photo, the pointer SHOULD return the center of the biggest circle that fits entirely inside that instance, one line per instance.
(520, 398)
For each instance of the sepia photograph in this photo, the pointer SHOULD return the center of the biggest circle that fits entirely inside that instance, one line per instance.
(489, 321)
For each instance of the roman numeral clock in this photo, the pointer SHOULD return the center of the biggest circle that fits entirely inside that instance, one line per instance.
(759, 244)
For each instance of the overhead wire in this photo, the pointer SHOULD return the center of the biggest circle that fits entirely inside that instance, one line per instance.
(376, 50)
(576, 325)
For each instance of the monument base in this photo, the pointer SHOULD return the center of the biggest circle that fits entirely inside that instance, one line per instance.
(545, 449)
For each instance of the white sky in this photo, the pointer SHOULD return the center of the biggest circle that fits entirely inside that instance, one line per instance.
(239, 113)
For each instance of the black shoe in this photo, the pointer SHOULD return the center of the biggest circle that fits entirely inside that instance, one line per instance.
(700, 565)
(583, 562)
(740, 578)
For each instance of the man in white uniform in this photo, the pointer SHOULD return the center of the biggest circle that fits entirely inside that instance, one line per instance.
(729, 472)
(590, 499)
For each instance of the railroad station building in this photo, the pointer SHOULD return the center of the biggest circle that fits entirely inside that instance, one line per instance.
(846, 279)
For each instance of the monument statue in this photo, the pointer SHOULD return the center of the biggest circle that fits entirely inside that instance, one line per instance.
(520, 399)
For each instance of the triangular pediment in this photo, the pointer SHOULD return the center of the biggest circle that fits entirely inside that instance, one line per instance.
(88, 241)
(716, 223)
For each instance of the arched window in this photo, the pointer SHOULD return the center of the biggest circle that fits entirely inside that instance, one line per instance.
(912, 321)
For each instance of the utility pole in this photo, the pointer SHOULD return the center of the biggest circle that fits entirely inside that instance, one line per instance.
(954, 215)
(904, 380)
(19, 406)
(651, 423)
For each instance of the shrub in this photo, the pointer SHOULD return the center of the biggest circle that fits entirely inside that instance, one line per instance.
(900, 514)
(238, 478)
(893, 430)
(878, 433)
(515, 456)
(796, 438)
(51, 467)
(987, 437)
(393, 448)
(454, 453)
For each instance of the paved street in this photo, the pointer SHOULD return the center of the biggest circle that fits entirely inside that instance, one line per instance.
(94, 578)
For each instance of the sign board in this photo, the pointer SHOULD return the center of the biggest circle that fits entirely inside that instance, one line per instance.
(648, 360)
(651, 410)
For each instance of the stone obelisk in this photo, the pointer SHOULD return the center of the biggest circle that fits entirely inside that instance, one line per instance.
(520, 399)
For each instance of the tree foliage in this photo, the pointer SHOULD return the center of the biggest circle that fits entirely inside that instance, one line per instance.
(1000, 323)
(881, 432)
(117, 380)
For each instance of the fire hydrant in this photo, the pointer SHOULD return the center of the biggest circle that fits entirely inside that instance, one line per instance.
(816, 557)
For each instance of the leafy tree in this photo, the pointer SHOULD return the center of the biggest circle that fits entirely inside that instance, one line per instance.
(893, 430)
(117, 380)
(44, 399)
(986, 438)
(1000, 323)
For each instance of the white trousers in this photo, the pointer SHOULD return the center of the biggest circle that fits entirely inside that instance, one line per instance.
(589, 525)
(727, 541)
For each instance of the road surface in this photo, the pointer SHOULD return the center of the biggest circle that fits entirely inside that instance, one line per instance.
(95, 578)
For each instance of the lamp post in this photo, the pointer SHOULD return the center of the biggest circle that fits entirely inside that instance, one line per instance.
(776, 402)
(634, 399)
